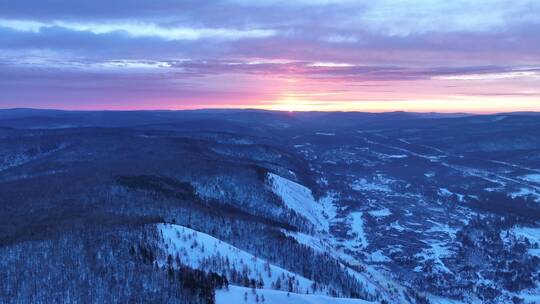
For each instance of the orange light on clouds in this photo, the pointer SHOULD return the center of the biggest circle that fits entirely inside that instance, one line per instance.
(450, 105)
(451, 94)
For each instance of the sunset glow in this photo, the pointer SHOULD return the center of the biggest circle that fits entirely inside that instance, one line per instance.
(389, 55)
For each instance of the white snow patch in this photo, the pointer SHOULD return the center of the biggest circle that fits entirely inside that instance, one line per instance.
(435, 252)
(325, 134)
(526, 192)
(380, 213)
(534, 252)
(364, 185)
(322, 181)
(444, 228)
(379, 257)
(357, 228)
(398, 156)
(306, 240)
(292, 173)
(379, 183)
(395, 225)
(395, 248)
(447, 193)
(531, 296)
(535, 178)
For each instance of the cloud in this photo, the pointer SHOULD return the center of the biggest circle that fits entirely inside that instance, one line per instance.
(512, 74)
(337, 38)
(139, 29)
(315, 70)
(409, 17)
(166, 48)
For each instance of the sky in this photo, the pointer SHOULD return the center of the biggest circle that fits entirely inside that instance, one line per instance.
(344, 55)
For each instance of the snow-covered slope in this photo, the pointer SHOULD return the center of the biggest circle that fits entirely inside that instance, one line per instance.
(300, 199)
(239, 295)
(202, 251)
(322, 213)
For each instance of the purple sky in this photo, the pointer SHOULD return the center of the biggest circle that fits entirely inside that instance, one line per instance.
(476, 56)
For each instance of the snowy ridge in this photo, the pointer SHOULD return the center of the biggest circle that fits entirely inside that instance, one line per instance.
(202, 251)
(237, 294)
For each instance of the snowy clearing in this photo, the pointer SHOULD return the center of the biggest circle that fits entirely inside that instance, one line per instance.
(357, 228)
(530, 233)
(197, 249)
(238, 295)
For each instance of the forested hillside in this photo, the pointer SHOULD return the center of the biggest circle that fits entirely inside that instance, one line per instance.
(268, 207)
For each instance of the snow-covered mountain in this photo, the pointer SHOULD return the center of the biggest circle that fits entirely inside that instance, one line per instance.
(240, 206)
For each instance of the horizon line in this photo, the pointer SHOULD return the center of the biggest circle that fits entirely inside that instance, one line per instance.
(471, 113)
